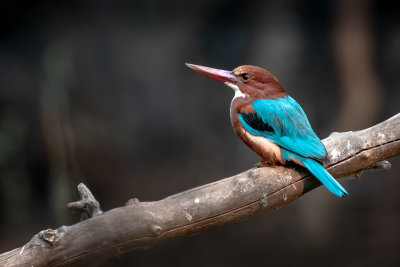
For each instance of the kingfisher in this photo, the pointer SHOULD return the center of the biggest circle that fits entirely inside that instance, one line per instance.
(271, 122)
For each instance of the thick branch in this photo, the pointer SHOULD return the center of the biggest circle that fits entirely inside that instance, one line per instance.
(140, 224)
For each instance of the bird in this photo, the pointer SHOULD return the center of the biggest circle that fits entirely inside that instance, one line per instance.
(272, 123)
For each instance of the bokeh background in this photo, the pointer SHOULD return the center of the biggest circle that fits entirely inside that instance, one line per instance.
(97, 92)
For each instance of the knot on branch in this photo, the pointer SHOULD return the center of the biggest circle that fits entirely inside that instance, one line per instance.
(88, 206)
(132, 201)
(48, 235)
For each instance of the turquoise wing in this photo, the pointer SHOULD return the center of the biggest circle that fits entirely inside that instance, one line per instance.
(284, 122)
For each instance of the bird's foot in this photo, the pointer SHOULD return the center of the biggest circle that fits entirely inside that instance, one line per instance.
(262, 164)
(293, 165)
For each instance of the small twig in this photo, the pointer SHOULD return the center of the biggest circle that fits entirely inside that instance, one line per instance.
(381, 165)
(88, 205)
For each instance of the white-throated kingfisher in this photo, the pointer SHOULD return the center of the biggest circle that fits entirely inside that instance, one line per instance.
(272, 123)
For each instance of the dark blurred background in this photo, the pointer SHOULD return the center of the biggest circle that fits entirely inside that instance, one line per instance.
(97, 92)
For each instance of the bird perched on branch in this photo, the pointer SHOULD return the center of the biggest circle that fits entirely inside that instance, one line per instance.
(272, 123)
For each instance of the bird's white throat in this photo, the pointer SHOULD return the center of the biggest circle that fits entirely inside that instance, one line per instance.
(235, 88)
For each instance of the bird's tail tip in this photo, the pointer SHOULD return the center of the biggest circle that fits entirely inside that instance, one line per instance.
(343, 193)
(335, 187)
(319, 172)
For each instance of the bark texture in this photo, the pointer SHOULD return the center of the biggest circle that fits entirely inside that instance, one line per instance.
(258, 190)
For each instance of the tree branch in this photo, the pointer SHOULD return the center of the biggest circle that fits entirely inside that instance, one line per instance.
(140, 224)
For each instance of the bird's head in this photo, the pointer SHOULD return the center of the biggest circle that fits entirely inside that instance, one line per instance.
(246, 81)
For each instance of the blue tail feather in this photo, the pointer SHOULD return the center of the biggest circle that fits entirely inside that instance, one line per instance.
(324, 177)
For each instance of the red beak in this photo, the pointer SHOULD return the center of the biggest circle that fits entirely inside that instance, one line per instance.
(216, 74)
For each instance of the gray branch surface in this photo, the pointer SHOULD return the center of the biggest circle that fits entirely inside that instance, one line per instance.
(141, 224)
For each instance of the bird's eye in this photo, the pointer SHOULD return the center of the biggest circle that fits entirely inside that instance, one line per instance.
(245, 76)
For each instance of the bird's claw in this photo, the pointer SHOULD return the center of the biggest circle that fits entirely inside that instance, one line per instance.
(262, 164)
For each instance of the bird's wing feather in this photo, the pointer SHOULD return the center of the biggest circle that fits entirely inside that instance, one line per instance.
(284, 122)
